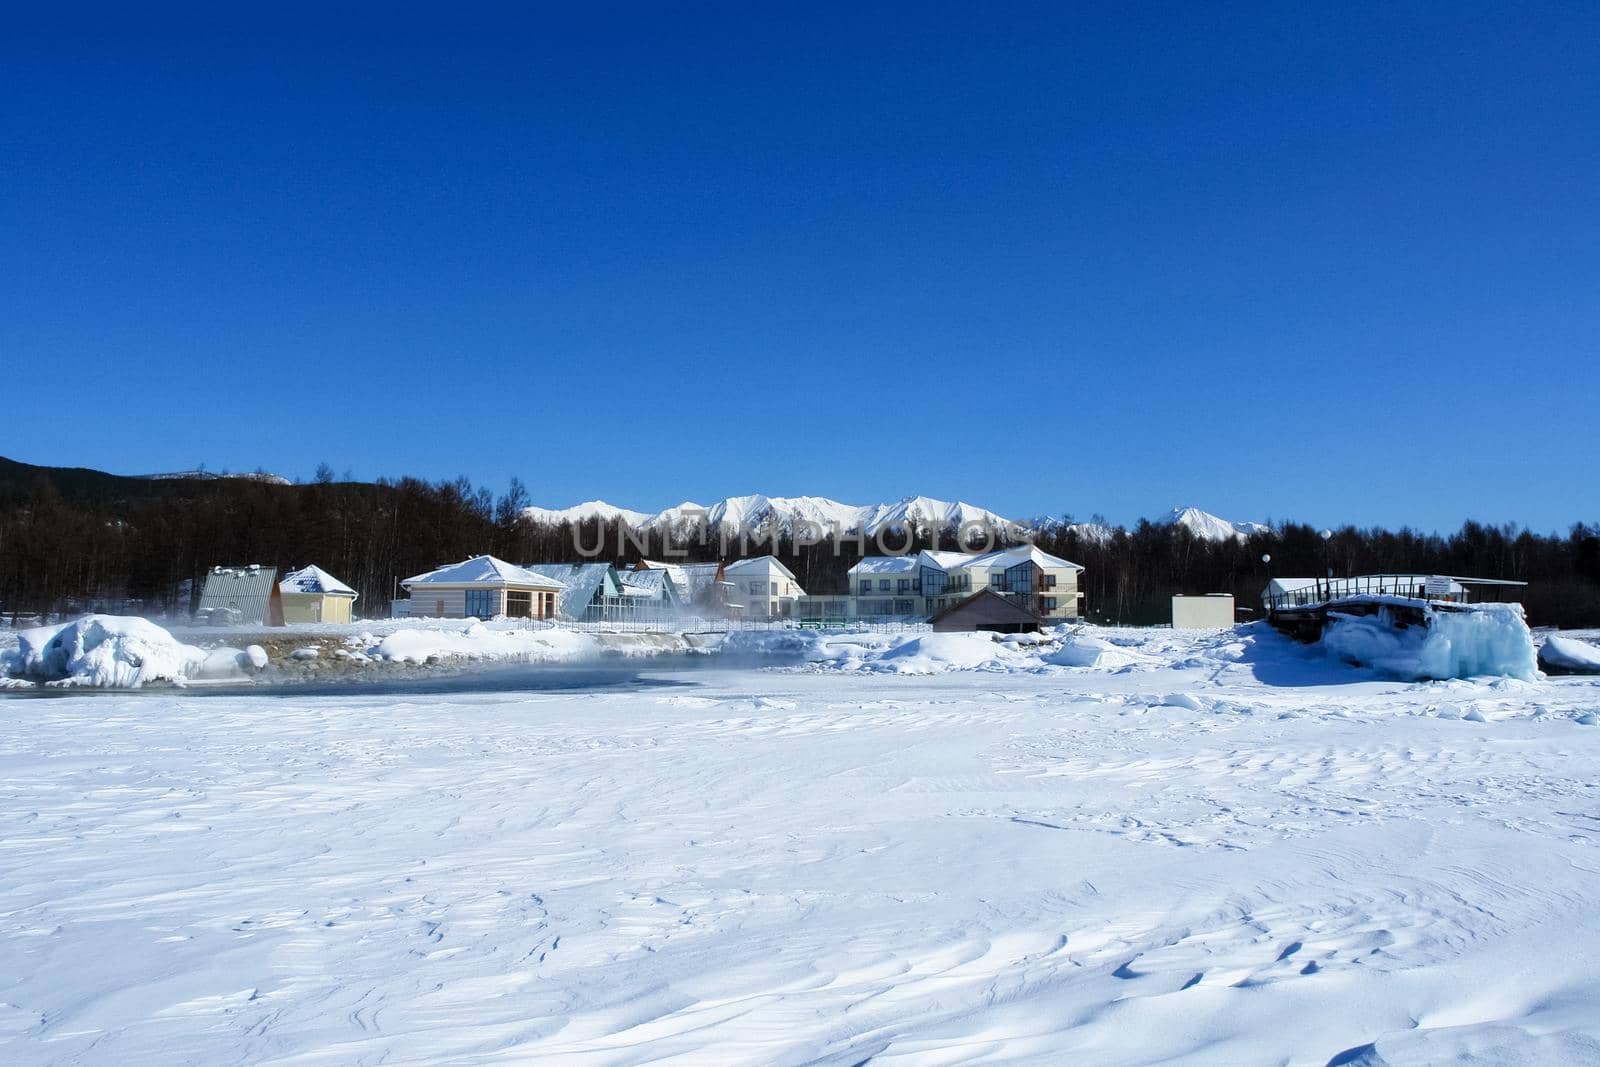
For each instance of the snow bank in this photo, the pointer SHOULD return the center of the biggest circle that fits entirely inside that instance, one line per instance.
(936, 653)
(1492, 639)
(106, 651)
(480, 642)
(1570, 654)
(1081, 650)
(119, 652)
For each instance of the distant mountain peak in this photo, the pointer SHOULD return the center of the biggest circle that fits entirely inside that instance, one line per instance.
(1209, 527)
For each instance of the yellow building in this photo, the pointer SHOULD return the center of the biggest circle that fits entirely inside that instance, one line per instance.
(314, 595)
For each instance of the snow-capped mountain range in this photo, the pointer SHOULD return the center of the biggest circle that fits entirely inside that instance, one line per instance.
(758, 514)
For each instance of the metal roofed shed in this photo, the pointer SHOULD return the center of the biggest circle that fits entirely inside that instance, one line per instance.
(237, 596)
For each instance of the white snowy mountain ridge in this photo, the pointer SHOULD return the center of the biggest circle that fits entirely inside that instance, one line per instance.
(765, 514)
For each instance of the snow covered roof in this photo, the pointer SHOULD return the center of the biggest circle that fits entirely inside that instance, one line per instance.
(484, 570)
(314, 579)
(583, 581)
(245, 590)
(758, 563)
(654, 583)
(945, 559)
(1011, 557)
(886, 565)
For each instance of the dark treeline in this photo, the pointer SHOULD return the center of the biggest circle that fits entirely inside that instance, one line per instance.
(77, 539)
(1131, 577)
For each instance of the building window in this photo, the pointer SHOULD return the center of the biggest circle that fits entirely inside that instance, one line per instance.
(997, 580)
(1019, 579)
(883, 585)
(774, 589)
(904, 607)
(758, 588)
(1047, 604)
(1047, 581)
(903, 586)
(934, 582)
(483, 603)
(519, 604)
(866, 586)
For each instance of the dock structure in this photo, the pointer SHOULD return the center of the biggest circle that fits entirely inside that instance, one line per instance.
(1301, 606)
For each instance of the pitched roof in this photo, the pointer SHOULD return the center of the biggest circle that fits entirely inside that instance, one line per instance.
(582, 581)
(1010, 557)
(886, 565)
(741, 565)
(650, 582)
(484, 570)
(987, 599)
(314, 579)
(246, 590)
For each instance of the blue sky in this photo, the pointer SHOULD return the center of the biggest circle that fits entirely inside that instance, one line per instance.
(1334, 265)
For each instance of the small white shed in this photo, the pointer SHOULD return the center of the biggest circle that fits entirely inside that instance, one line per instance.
(1213, 611)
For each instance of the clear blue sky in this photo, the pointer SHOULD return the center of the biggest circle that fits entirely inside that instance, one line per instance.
(1038, 258)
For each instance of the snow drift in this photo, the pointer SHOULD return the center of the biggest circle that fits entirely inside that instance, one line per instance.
(480, 642)
(105, 651)
(1570, 654)
(119, 652)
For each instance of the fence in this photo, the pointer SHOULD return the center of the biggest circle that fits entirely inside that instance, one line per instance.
(1410, 586)
(695, 624)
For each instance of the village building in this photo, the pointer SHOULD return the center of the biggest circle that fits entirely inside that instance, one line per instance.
(986, 610)
(652, 589)
(311, 594)
(702, 587)
(591, 588)
(483, 587)
(887, 588)
(761, 588)
(237, 596)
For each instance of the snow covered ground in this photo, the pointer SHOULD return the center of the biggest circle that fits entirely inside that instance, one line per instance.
(1214, 847)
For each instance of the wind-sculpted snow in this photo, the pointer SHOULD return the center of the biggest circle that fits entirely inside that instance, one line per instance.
(1571, 654)
(1208, 854)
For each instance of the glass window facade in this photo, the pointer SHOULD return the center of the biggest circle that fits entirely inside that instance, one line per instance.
(483, 603)
(1019, 579)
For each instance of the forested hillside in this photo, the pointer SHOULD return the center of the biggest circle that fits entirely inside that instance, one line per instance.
(73, 539)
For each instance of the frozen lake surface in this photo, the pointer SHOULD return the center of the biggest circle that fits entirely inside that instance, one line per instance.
(1208, 859)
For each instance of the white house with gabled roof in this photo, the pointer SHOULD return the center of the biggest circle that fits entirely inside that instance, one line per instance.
(761, 588)
(483, 587)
